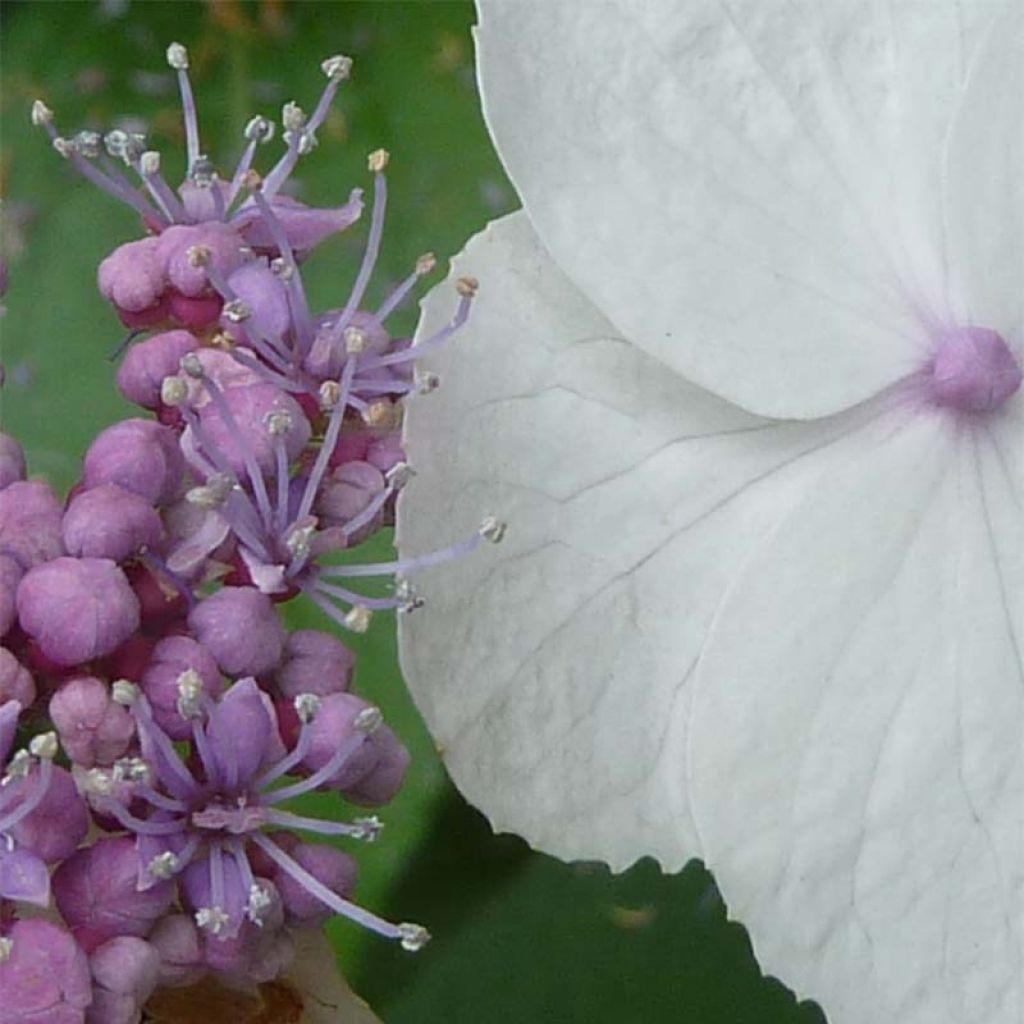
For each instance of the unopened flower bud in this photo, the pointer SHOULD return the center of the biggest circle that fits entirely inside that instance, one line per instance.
(63, 147)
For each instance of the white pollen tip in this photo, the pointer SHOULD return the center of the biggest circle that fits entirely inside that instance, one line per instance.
(259, 129)
(467, 287)
(330, 392)
(426, 263)
(191, 365)
(198, 255)
(279, 423)
(293, 117)
(65, 148)
(369, 720)
(237, 311)
(383, 414)
(399, 475)
(177, 57)
(378, 160)
(97, 782)
(282, 268)
(173, 391)
(212, 919)
(426, 381)
(356, 340)
(337, 68)
(358, 619)
(368, 829)
(44, 745)
(149, 163)
(493, 530)
(41, 114)
(413, 937)
(307, 706)
(164, 865)
(6, 948)
(124, 693)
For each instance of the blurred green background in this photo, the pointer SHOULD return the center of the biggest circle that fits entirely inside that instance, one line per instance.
(518, 937)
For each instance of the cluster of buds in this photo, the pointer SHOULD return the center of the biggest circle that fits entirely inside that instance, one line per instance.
(155, 714)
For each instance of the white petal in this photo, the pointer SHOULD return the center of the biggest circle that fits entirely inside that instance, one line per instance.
(985, 186)
(555, 669)
(751, 190)
(326, 997)
(856, 763)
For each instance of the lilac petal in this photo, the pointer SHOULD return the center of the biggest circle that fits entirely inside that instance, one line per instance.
(23, 876)
(197, 885)
(240, 729)
(304, 226)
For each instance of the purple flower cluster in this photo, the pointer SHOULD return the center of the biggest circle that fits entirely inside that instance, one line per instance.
(156, 717)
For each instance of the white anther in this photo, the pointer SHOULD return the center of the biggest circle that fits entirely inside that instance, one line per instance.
(282, 268)
(149, 163)
(279, 422)
(368, 829)
(259, 129)
(260, 902)
(213, 493)
(191, 365)
(133, 148)
(413, 937)
(378, 160)
(130, 769)
(177, 57)
(64, 147)
(41, 114)
(408, 596)
(337, 68)
(467, 286)
(6, 948)
(18, 767)
(330, 392)
(115, 142)
(356, 340)
(307, 706)
(426, 263)
(44, 745)
(307, 143)
(202, 172)
(212, 919)
(426, 381)
(164, 865)
(358, 619)
(382, 413)
(299, 539)
(293, 117)
(399, 475)
(173, 391)
(87, 143)
(198, 255)
(368, 721)
(124, 693)
(190, 694)
(237, 310)
(492, 529)
(97, 782)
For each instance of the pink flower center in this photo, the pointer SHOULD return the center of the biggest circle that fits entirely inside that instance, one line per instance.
(974, 370)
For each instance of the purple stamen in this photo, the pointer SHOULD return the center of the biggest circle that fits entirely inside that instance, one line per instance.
(177, 57)
(325, 828)
(284, 383)
(211, 766)
(406, 565)
(139, 825)
(287, 763)
(357, 600)
(434, 341)
(321, 775)
(33, 800)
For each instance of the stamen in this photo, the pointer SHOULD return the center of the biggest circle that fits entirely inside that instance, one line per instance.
(212, 919)
(164, 865)
(424, 265)
(177, 57)
(34, 798)
(258, 131)
(356, 830)
(190, 694)
(6, 948)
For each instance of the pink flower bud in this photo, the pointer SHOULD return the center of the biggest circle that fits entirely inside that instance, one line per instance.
(109, 522)
(59, 821)
(125, 971)
(330, 349)
(172, 657)
(30, 517)
(147, 363)
(12, 461)
(15, 680)
(265, 295)
(314, 662)
(344, 494)
(97, 895)
(335, 869)
(304, 226)
(77, 609)
(386, 452)
(176, 246)
(132, 277)
(241, 629)
(93, 728)
(177, 940)
(138, 455)
(45, 976)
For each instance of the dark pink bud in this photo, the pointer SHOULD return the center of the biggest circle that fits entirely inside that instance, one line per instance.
(177, 940)
(58, 823)
(315, 662)
(335, 869)
(138, 455)
(125, 971)
(148, 362)
(77, 609)
(194, 314)
(241, 629)
(176, 250)
(171, 659)
(110, 522)
(45, 976)
(132, 276)
(12, 461)
(30, 517)
(15, 680)
(96, 892)
(93, 728)
(346, 492)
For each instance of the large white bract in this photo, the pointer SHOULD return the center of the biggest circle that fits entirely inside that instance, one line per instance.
(762, 595)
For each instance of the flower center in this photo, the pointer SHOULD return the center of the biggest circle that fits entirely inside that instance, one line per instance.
(974, 370)
(238, 818)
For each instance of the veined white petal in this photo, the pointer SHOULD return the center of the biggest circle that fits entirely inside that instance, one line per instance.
(856, 765)
(750, 190)
(556, 670)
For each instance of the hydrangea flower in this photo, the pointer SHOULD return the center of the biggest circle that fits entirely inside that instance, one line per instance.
(745, 382)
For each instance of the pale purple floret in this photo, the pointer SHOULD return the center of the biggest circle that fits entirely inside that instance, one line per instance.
(109, 522)
(314, 662)
(16, 681)
(125, 971)
(974, 370)
(174, 661)
(208, 824)
(93, 729)
(30, 522)
(241, 630)
(77, 609)
(146, 363)
(44, 975)
(12, 461)
(179, 943)
(140, 456)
